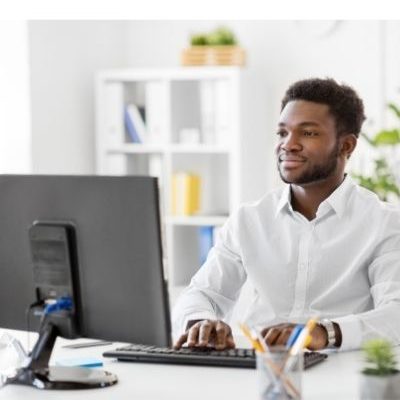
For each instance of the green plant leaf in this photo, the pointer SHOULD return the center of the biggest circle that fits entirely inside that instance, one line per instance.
(221, 37)
(387, 137)
(380, 357)
(199, 40)
(383, 180)
(394, 109)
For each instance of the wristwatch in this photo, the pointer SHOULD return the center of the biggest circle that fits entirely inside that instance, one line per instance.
(330, 330)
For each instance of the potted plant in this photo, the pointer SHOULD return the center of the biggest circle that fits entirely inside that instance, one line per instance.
(380, 379)
(218, 47)
(383, 181)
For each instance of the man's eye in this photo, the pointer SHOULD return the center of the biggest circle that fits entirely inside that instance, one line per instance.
(281, 133)
(310, 133)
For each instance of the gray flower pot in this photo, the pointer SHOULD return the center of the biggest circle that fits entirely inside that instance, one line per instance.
(373, 387)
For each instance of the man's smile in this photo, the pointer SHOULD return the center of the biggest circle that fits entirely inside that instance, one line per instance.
(289, 161)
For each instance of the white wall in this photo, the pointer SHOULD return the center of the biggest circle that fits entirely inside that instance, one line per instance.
(65, 55)
(15, 123)
(64, 58)
(279, 52)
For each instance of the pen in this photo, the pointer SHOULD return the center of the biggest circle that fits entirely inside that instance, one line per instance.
(294, 335)
(260, 346)
(303, 339)
(254, 343)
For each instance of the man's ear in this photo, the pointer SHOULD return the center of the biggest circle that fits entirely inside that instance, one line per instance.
(348, 144)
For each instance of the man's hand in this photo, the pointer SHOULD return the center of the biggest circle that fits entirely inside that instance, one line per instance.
(278, 335)
(207, 333)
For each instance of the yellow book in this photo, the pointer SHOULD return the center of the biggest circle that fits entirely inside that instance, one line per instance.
(185, 193)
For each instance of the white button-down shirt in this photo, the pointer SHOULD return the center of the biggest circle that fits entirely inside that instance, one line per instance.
(343, 265)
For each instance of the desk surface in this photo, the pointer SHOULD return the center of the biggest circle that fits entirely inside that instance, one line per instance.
(336, 378)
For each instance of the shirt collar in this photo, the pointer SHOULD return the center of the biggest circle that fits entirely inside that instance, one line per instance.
(337, 200)
(284, 200)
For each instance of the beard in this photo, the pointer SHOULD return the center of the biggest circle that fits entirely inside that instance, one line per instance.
(316, 172)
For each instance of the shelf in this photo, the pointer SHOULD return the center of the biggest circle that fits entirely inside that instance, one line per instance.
(198, 220)
(197, 149)
(176, 74)
(135, 148)
(205, 100)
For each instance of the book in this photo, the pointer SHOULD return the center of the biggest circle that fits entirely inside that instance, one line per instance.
(206, 242)
(138, 116)
(87, 362)
(131, 124)
(185, 193)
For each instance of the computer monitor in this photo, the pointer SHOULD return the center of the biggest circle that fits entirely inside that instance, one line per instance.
(116, 223)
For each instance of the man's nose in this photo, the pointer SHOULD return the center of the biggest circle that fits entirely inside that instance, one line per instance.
(291, 143)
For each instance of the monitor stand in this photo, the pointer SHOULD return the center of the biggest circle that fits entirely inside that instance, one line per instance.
(38, 373)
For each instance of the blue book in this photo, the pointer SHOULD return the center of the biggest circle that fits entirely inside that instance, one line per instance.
(130, 126)
(206, 242)
(87, 362)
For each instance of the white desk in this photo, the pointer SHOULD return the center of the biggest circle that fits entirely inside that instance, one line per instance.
(335, 379)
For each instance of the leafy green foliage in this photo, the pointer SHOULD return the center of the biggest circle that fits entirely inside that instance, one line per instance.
(383, 181)
(380, 357)
(386, 138)
(221, 36)
(394, 109)
(199, 40)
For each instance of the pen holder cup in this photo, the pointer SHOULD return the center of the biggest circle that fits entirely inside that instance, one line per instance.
(279, 375)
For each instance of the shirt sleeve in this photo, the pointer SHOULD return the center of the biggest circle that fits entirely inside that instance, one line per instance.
(214, 289)
(384, 276)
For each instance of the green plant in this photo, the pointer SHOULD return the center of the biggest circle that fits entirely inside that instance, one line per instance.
(382, 181)
(380, 357)
(199, 40)
(221, 36)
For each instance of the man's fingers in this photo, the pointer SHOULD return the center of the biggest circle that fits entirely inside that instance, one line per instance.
(271, 336)
(204, 335)
(207, 332)
(268, 328)
(230, 343)
(283, 337)
(222, 331)
(265, 331)
(193, 335)
(180, 341)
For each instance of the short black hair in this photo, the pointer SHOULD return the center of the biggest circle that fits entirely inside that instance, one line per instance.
(344, 103)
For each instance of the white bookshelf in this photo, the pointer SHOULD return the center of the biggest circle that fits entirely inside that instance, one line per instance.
(205, 99)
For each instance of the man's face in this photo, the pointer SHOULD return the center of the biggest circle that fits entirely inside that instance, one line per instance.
(308, 147)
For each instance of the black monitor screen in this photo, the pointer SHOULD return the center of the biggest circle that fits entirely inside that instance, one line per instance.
(123, 292)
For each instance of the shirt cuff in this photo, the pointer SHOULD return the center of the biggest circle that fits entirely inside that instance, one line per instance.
(350, 327)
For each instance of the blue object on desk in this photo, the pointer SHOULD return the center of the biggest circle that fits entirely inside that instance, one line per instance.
(294, 335)
(88, 362)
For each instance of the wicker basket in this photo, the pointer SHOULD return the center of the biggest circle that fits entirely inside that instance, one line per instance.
(213, 55)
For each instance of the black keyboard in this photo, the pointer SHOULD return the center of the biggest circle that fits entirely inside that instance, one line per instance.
(239, 358)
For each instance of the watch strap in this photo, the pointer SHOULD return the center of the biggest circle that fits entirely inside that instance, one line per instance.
(330, 330)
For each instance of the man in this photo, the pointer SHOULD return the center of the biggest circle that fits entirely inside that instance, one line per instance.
(320, 246)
